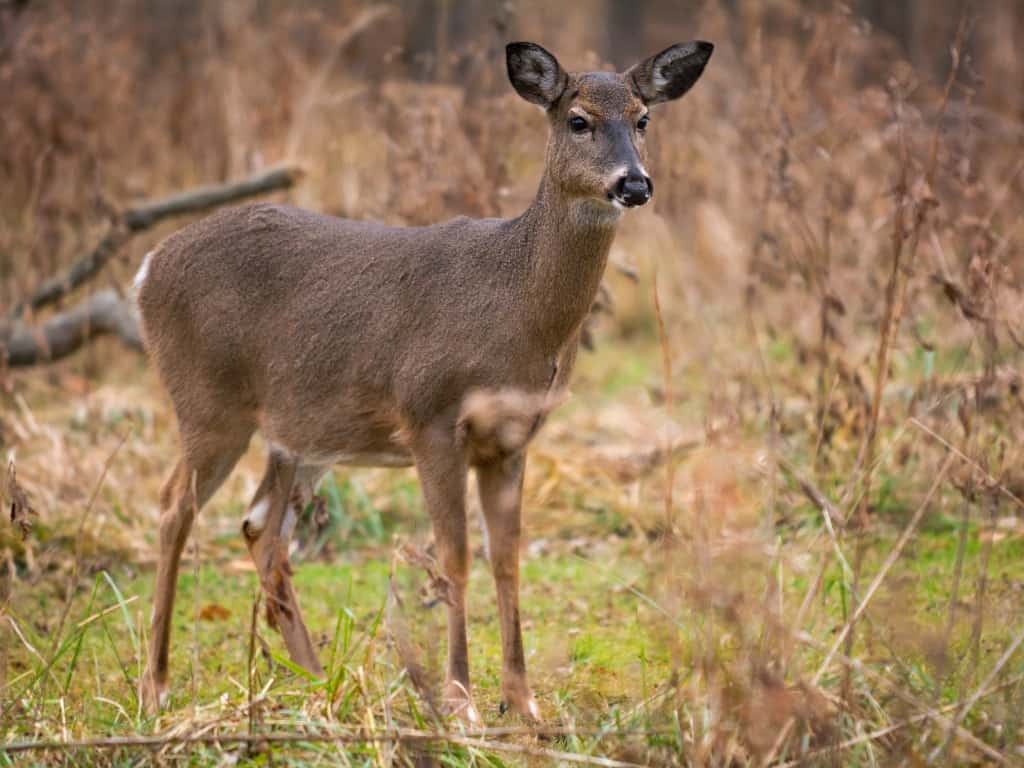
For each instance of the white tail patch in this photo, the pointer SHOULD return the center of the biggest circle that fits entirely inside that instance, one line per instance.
(143, 273)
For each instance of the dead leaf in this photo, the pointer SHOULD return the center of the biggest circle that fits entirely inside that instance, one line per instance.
(74, 384)
(214, 612)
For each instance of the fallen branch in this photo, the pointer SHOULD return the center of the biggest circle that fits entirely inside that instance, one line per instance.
(143, 217)
(203, 198)
(102, 314)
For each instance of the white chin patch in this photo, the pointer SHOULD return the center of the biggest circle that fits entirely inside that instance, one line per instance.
(618, 205)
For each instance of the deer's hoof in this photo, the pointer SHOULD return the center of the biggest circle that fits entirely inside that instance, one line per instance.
(459, 703)
(522, 703)
(154, 695)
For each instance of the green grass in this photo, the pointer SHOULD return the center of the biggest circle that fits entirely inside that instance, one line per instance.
(619, 631)
(582, 627)
(595, 647)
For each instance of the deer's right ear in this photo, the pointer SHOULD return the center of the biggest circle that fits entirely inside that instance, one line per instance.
(535, 74)
(671, 73)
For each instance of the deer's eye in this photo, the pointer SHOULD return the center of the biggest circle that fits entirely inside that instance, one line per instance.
(577, 124)
(641, 124)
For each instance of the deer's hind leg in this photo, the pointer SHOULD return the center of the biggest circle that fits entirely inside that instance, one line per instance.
(268, 527)
(208, 455)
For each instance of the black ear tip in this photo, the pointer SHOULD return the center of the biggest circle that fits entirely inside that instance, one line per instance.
(705, 48)
(519, 47)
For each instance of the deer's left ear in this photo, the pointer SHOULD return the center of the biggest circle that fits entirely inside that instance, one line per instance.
(671, 73)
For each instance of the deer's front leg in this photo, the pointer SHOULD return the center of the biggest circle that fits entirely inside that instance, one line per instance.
(501, 495)
(442, 470)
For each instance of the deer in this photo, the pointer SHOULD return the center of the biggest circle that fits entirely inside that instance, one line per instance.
(353, 343)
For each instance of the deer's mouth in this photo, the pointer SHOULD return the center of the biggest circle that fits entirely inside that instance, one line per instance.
(631, 191)
(621, 204)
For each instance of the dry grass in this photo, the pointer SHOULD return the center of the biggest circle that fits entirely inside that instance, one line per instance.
(779, 521)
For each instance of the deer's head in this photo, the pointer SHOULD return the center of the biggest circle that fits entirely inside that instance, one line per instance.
(599, 119)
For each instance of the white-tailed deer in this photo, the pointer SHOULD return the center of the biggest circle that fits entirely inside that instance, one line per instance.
(354, 343)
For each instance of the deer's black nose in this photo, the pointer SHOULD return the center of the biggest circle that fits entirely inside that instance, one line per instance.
(633, 189)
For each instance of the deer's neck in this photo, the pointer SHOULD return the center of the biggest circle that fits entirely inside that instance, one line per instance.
(566, 242)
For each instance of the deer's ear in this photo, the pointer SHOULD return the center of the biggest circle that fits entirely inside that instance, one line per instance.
(535, 74)
(671, 73)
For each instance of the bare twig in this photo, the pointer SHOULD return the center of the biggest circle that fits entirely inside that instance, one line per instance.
(196, 596)
(981, 591)
(958, 565)
(814, 494)
(251, 659)
(666, 361)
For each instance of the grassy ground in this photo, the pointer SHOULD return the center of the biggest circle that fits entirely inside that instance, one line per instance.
(624, 628)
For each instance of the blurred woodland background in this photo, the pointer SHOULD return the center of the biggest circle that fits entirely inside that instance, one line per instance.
(782, 518)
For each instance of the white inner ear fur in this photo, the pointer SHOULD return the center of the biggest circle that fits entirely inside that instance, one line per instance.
(544, 77)
(539, 71)
(668, 58)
